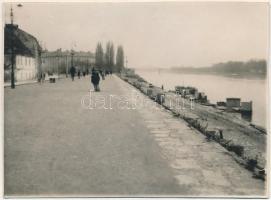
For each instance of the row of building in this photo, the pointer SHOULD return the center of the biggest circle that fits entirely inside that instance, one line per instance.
(30, 60)
(59, 62)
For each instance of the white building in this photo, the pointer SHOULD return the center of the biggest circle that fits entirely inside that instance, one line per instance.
(26, 68)
(26, 50)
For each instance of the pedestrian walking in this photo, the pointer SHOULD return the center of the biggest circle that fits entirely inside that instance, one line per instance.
(103, 75)
(95, 79)
(72, 71)
(43, 77)
(79, 73)
(40, 78)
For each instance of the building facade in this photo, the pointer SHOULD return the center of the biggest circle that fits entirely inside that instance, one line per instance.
(26, 68)
(26, 53)
(60, 62)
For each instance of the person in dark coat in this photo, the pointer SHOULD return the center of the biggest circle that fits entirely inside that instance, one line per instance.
(43, 77)
(72, 71)
(79, 73)
(95, 79)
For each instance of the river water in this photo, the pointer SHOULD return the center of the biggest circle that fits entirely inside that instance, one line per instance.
(217, 88)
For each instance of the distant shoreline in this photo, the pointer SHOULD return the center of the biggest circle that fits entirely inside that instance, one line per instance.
(244, 75)
(233, 75)
(254, 68)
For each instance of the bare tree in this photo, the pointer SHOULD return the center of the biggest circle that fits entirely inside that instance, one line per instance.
(109, 56)
(120, 59)
(99, 56)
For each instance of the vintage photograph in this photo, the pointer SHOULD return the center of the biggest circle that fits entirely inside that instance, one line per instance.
(135, 99)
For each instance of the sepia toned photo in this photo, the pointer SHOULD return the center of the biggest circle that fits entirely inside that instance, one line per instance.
(135, 99)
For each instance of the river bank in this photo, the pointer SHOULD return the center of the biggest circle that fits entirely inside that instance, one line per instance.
(217, 89)
(246, 143)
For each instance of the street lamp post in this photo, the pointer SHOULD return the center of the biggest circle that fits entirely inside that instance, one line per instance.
(57, 65)
(66, 66)
(12, 50)
(73, 44)
(72, 54)
(12, 47)
(12, 61)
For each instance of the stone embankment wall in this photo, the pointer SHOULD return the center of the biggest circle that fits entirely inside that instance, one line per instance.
(245, 143)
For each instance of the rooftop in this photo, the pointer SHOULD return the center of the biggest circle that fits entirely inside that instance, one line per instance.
(23, 42)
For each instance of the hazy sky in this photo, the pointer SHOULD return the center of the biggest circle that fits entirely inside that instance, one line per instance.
(153, 34)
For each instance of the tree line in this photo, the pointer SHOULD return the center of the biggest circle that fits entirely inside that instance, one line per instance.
(251, 67)
(107, 60)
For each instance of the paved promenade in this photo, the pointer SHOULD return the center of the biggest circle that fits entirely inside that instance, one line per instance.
(54, 146)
